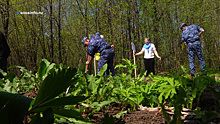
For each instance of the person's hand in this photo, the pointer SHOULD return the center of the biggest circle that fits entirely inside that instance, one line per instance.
(201, 32)
(87, 62)
(112, 46)
(134, 54)
(186, 44)
(159, 58)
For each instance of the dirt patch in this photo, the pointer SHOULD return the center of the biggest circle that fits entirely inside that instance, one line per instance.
(143, 117)
(31, 94)
(131, 117)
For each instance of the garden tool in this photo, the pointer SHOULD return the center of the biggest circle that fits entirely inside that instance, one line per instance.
(133, 48)
(87, 64)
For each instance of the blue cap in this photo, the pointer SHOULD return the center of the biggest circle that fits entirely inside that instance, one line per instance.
(98, 33)
(182, 25)
(83, 40)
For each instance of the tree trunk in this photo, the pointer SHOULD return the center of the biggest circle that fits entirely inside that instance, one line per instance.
(51, 32)
(5, 18)
(59, 34)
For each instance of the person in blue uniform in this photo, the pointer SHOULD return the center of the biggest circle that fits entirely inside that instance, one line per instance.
(191, 38)
(98, 45)
(4, 53)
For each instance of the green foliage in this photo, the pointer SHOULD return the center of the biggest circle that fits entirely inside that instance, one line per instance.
(44, 69)
(120, 114)
(48, 100)
(26, 81)
(179, 91)
(205, 116)
(121, 22)
(62, 88)
(129, 90)
(129, 65)
(14, 84)
(51, 85)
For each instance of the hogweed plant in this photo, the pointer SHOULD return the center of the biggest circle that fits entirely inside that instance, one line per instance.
(48, 104)
(61, 89)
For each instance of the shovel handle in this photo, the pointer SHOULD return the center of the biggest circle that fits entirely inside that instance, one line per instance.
(135, 70)
(87, 65)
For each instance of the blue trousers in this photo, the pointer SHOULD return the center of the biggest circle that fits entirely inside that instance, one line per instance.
(107, 56)
(195, 48)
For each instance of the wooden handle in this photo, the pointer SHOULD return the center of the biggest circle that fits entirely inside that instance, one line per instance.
(135, 70)
(88, 64)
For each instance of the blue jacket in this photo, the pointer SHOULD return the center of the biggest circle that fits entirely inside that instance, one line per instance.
(191, 33)
(97, 45)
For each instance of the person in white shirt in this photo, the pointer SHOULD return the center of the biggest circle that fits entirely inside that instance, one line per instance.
(149, 50)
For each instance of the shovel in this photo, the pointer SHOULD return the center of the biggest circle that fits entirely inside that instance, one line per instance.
(133, 48)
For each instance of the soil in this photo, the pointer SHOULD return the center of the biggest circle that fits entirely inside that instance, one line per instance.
(131, 117)
(31, 94)
(144, 117)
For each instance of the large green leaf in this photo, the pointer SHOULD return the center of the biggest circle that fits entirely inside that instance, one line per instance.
(102, 71)
(48, 116)
(54, 84)
(13, 107)
(10, 86)
(44, 69)
(120, 66)
(96, 104)
(120, 114)
(57, 102)
(69, 114)
(94, 85)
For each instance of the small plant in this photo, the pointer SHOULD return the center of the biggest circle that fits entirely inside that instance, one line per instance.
(26, 81)
(48, 103)
(179, 91)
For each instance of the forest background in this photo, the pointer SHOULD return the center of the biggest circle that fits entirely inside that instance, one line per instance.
(57, 33)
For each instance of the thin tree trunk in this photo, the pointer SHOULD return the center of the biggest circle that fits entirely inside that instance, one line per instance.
(129, 29)
(86, 18)
(51, 32)
(59, 34)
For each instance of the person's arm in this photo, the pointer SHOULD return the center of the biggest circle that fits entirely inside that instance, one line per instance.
(201, 32)
(155, 52)
(200, 29)
(91, 52)
(183, 39)
(139, 53)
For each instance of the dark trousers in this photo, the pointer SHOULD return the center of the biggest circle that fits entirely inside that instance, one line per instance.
(107, 57)
(195, 48)
(3, 65)
(149, 66)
